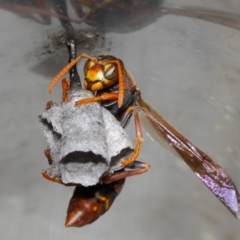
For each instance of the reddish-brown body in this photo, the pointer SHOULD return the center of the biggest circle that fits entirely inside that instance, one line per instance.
(89, 203)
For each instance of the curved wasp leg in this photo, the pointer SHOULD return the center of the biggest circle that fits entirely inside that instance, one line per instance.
(139, 134)
(66, 69)
(65, 88)
(50, 178)
(125, 116)
(56, 180)
(89, 203)
(103, 97)
(133, 169)
(45, 174)
(47, 154)
(49, 105)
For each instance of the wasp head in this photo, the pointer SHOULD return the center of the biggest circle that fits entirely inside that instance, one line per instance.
(100, 73)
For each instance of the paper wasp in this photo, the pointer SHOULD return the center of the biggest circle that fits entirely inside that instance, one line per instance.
(89, 203)
(116, 89)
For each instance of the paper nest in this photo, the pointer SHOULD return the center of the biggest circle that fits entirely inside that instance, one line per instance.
(86, 141)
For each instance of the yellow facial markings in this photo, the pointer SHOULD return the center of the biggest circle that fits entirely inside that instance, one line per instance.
(94, 74)
(96, 86)
(107, 66)
(100, 75)
(91, 64)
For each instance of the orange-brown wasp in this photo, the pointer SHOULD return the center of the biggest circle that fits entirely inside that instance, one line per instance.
(89, 203)
(116, 89)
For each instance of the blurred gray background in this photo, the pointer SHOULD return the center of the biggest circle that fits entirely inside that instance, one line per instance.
(187, 69)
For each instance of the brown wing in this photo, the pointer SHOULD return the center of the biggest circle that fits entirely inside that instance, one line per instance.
(223, 18)
(209, 172)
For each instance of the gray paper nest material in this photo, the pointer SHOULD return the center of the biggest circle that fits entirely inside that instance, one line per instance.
(86, 142)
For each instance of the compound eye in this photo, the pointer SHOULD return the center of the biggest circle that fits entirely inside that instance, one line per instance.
(87, 65)
(110, 71)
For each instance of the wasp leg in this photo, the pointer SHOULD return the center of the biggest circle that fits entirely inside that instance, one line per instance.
(49, 105)
(103, 97)
(56, 180)
(50, 178)
(136, 168)
(65, 88)
(120, 67)
(139, 134)
(47, 153)
(125, 117)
